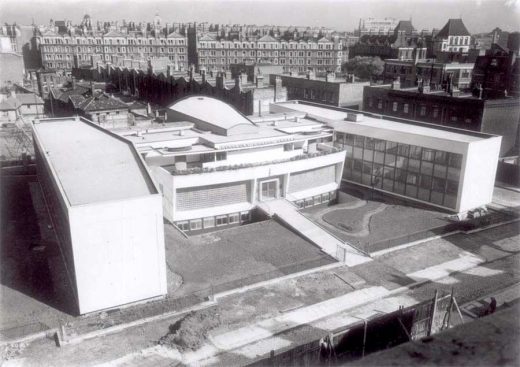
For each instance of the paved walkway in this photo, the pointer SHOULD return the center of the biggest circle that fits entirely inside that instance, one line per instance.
(495, 252)
(330, 244)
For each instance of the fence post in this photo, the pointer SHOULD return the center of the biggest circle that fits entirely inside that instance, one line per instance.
(364, 338)
(434, 309)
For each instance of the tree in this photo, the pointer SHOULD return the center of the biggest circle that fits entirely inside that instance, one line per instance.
(366, 68)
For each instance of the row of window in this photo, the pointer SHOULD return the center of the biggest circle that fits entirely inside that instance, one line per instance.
(426, 174)
(316, 200)
(269, 53)
(214, 221)
(422, 110)
(208, 61)
(112, 49)
(262, 45)
(112, 41)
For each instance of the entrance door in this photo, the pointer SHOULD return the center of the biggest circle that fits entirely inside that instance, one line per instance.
(268, 190)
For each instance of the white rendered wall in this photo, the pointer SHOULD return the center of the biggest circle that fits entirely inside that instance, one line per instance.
(244, 174)
(118, 252)
(164, 181)
(479, 169)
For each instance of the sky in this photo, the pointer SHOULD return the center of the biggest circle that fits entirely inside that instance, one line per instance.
(478, 15)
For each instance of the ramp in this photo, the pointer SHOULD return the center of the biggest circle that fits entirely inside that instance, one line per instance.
(287, 213)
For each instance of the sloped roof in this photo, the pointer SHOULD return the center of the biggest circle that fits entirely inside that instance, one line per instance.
(454, 27)
(6, 106)
(76, 100)
(29, 98)
(206, 37)
(101, 102)
(63, 95)
(114, 34)
(323, 39)
(267, 38)
(174, 35)
(404, 26)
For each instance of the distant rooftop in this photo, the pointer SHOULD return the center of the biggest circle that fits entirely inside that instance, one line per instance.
(91, 164)
(454, 27)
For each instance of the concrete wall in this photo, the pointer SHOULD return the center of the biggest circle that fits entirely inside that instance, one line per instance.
(479, 170)
(252, 174)
(11, 68)
(118, 252)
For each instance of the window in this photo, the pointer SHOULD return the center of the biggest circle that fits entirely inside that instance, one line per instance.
(233, 218)
(245, 217)
(394, 106)
(405, 108)
(423, 111)
(222, 220)
(221, 156)
(209, 222)
(380, 104)
(325, 197)
(435, 112)
(184, 226)
(195, 224)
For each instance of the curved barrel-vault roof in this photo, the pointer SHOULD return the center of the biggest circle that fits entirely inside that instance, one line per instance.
(212, 114)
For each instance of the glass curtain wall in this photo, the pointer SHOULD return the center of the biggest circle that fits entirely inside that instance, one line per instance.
(428, 175)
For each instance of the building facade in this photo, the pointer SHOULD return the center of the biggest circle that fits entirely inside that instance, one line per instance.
(435, 75)
(320, 55)
(214, 165)
(328, 90)
(110, 230)
(493, 116)
(448, 168)
(64, 51)
(453, 37)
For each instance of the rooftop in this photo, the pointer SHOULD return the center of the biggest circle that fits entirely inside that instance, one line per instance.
(454, 27)
(91, 164)
(211, 111)
(337, 119)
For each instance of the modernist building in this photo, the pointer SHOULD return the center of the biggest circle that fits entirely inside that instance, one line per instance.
(105, 210)
(464, 111)
(449, 168)
(213, 165)
(342, 92)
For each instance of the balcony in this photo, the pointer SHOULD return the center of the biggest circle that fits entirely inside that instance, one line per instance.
(198, 167)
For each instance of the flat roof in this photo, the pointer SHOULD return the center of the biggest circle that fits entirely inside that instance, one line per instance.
(337, 117)
(91, 164)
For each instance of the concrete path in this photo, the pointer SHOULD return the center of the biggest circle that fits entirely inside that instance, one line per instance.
(330, 244)
(305, 315)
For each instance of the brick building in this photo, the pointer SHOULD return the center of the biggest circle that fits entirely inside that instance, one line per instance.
(341, 92)
(434, 74)
(321, 54)
(403, 43)
(497, 116)
(60, 47)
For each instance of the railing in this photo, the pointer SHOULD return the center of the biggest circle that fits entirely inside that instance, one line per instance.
(196, 170)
